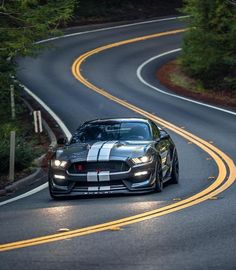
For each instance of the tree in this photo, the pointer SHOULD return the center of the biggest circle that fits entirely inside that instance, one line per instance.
(22, 22)
(209, 50)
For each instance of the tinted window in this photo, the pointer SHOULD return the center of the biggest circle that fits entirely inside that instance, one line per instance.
(106, 131)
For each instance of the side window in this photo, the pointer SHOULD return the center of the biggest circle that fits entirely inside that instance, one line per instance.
(155, 131)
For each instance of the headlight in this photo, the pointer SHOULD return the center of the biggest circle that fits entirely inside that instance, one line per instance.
(59, 163)
(143, 159)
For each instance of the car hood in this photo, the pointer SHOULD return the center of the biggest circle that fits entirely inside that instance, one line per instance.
(108, 150)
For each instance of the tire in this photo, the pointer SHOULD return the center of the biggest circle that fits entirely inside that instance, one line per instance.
(175, 170)
(50, 184)
(159, 182)
(51, 191)
(50, 187)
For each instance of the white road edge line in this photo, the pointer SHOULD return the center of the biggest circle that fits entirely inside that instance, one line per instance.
(56, 118)
(139, 72)
(51, 112)
(31, 192)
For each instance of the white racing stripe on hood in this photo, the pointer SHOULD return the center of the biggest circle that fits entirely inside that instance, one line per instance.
(104, 154)
(93, 151)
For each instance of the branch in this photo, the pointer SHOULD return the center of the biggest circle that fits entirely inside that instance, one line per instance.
(11, 16)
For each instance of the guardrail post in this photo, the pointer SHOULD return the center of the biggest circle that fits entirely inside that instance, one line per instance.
(13, 111)
(12, 156)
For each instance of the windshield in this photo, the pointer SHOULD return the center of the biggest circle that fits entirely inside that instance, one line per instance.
(109, 131)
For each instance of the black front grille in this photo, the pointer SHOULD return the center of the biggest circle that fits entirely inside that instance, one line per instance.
(111, 166)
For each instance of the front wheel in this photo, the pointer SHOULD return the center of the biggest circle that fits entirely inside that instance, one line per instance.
(51, 191)
(175, 170)
(159, 182)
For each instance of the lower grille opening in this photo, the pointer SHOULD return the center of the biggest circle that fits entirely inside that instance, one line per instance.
(111, 166)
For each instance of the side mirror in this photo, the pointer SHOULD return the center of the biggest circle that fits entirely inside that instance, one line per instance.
(62, 141)
(164, 135)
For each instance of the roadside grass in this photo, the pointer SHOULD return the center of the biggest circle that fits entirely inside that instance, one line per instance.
(179, 78)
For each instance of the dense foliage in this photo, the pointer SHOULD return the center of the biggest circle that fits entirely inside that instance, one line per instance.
(209, 51)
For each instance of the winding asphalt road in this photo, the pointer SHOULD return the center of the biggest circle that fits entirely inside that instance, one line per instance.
(198, 237)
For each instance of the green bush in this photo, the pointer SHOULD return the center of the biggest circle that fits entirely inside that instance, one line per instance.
(209, 49)
(24, 154)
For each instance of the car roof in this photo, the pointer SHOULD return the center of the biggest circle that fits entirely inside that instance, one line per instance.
(127, 119)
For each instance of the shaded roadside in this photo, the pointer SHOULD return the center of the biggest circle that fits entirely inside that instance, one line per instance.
(172, 76)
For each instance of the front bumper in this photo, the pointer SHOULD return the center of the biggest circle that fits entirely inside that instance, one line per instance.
(94, 183)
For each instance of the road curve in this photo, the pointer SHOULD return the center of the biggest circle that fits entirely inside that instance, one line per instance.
(200, 237)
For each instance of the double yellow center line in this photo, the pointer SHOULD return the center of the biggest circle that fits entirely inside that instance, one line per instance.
(226, 166)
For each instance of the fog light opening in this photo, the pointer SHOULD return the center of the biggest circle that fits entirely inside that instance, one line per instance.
(141, 173)
(57, 176)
